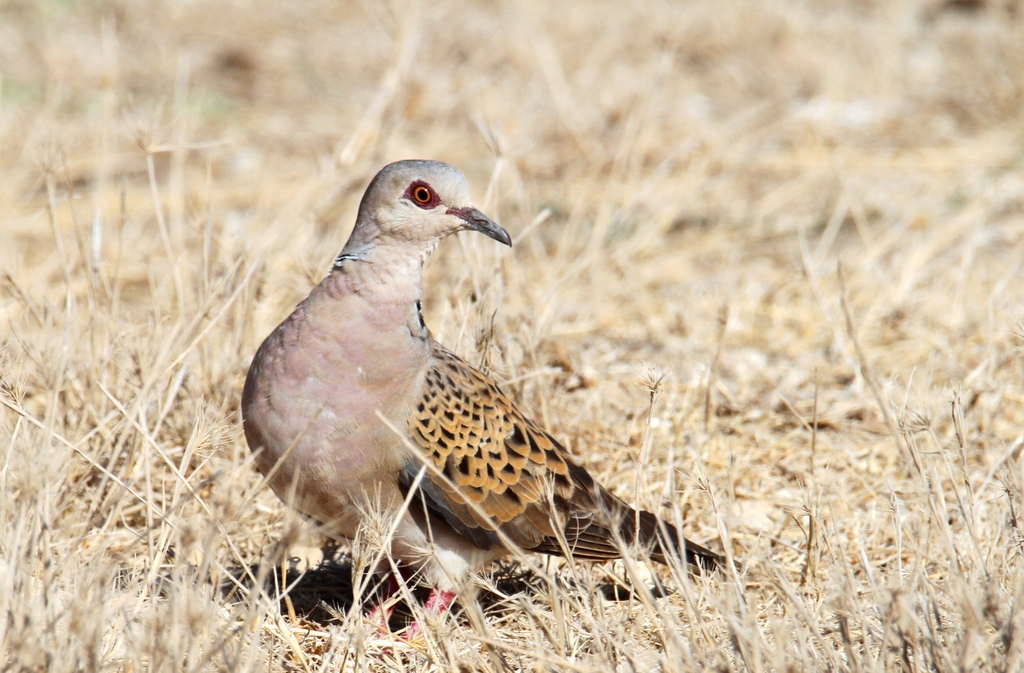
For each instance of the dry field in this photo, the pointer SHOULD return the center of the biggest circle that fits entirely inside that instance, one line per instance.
(767, 278)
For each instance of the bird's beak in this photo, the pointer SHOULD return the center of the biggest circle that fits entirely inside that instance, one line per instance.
(477, 221)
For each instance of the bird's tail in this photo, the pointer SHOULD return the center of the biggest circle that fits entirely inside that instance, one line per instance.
(664, 541)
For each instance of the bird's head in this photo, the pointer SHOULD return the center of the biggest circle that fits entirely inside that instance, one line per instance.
(419, 203)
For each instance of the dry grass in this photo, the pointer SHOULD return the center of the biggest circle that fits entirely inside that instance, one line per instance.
(809, 216)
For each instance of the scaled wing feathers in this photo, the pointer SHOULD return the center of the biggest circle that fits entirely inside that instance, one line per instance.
(519, 478)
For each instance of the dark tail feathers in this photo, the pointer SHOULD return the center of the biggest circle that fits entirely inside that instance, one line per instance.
(663, 541)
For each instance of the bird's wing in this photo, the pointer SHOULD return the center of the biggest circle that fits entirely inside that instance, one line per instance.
(501, 471)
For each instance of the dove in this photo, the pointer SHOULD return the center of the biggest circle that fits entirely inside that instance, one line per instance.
(350, 407)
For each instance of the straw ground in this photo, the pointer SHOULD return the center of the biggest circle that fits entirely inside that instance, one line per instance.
(766, 280)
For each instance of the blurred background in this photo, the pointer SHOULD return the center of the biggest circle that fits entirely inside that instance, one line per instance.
(725, 113)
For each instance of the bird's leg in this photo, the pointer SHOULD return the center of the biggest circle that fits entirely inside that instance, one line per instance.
(381, 613)
(438, 602)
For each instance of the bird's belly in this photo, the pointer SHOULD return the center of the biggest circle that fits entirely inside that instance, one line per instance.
(326, 467)
(323, 445)
(312, 407)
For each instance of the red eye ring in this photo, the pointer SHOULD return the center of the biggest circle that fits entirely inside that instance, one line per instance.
(422, 195)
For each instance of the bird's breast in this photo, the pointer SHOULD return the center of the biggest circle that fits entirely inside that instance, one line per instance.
(315, 394)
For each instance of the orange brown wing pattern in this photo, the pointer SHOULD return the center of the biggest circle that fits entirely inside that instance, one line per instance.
(503, 471)
(512, 471)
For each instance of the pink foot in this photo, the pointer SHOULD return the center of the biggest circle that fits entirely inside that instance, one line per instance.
(381, 613)
(437, 603)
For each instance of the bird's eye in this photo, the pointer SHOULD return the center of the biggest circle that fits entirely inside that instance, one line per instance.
(422, 195)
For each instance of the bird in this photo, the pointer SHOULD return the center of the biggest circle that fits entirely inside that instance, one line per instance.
(351, 405)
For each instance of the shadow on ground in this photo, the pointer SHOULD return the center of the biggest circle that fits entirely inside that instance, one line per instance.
(325, 594)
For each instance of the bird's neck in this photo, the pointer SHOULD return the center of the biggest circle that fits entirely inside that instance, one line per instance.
(389, 274)
(379, 286)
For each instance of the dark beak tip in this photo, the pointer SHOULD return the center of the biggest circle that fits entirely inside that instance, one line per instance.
(477, 221)
(494, 230)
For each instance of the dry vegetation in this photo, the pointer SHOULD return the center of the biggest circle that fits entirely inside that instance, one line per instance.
(767, 277)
